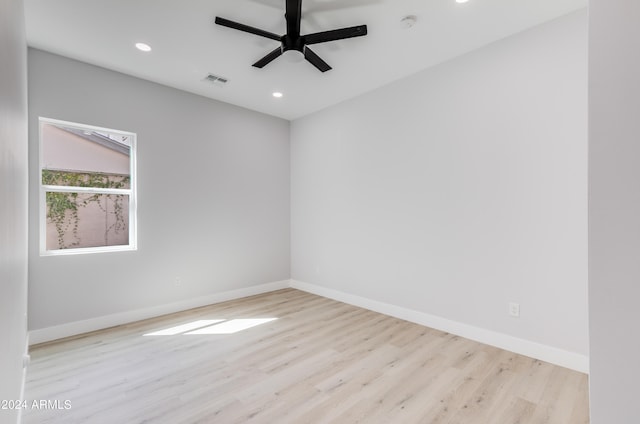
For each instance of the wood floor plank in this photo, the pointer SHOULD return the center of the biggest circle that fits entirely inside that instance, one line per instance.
(319, 361)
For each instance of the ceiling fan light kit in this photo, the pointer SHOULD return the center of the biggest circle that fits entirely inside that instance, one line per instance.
(293, 40)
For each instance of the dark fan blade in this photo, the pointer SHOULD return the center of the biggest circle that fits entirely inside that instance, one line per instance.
(315, 60)
(293, 16)
(247, 28)
(336, 34)
(268, 58)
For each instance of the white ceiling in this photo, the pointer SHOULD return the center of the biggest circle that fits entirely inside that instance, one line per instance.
(187, 45)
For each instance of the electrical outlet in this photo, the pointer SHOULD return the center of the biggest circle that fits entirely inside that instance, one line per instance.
(514, 309)
(178, 281)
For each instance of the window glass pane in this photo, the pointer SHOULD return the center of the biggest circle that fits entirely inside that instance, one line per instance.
(76, 220)
(84, 157)
(85, 179)
(99, 162)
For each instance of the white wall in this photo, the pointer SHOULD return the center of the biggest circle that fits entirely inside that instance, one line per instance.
(614, 209)
(213, 196)
(13, 202)
(457, 190)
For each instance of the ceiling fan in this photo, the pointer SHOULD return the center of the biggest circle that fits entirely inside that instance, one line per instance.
(292, 40)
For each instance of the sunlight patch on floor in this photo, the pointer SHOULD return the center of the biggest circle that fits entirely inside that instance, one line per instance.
(212, 326)
(232, 326)
(179, 329)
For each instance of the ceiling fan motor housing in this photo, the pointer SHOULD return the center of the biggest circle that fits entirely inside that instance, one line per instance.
(290, 43)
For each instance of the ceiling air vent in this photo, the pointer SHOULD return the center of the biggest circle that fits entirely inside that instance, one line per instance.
(216, 80)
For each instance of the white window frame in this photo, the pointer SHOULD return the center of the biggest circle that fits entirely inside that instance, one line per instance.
(131, 192)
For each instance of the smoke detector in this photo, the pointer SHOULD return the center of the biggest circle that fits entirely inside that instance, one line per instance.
(408, 21)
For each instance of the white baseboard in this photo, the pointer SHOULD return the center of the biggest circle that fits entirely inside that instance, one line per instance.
(571, 360)
(79, 327)
(539, 351)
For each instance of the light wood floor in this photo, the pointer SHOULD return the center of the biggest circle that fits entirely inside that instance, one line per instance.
(321, 361)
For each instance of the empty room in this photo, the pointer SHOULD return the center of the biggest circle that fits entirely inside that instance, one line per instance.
(319, 211)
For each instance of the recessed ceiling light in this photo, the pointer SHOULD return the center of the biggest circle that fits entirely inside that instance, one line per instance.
(143, 47)
(461, 1)
(277, 94)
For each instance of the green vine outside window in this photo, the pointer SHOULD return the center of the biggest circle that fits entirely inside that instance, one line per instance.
(62, 207)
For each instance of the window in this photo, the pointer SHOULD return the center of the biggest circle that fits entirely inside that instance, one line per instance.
(87, 190)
